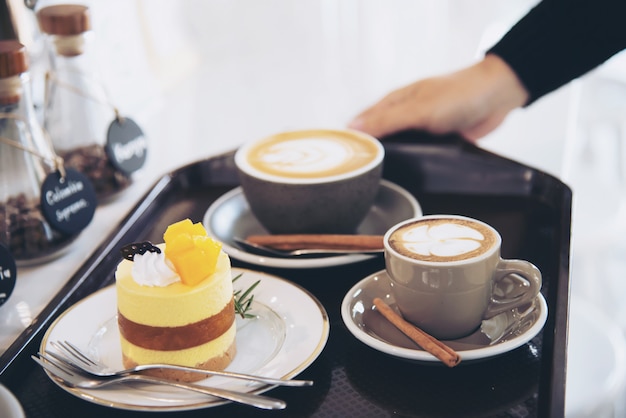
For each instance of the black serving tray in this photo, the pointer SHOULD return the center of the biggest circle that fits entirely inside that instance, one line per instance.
(531, 209)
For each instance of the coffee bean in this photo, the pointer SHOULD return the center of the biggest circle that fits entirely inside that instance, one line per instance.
(92, 161)
(24, 230)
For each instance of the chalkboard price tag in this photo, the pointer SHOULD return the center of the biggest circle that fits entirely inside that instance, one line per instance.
(68, 202)
(8, 273)
(126, 147)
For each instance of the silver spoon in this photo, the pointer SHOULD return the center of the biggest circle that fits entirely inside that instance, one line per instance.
(309, 252)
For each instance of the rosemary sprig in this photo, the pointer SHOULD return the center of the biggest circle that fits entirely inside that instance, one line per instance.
(243, 301)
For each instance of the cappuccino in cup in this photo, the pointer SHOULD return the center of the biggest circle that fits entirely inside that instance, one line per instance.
(447, 276)
(311, 181)
(311, 156)
(443, 239)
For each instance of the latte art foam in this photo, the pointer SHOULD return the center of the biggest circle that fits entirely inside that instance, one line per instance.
(442, 239)
(307, 156)
(312, 154)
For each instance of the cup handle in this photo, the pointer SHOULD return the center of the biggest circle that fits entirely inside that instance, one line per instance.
(523, 272)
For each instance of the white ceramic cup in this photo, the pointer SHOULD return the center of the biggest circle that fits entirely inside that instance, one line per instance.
(311, 181)
(445, 272)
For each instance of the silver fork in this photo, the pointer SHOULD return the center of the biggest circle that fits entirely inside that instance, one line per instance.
(72, 378)
(74, 355)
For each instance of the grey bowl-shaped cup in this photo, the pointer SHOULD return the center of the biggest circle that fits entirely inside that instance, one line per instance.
(334, 205)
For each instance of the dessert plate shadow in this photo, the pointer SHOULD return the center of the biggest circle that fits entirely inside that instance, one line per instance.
(230, 216)
(369, 326)
(288, 334)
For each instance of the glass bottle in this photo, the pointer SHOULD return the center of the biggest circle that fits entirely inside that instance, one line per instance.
(77, 112)
(26, 159)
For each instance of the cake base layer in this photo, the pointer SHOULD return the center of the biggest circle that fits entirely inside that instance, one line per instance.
(217, 363)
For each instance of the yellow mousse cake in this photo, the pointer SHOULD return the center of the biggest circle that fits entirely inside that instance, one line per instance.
(175, 304)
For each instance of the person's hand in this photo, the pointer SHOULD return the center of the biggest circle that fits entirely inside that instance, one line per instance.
(472, 102)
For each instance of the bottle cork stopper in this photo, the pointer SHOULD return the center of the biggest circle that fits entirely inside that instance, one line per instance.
(67, 23)
(64, 19)
(13, 58)
(13, 62)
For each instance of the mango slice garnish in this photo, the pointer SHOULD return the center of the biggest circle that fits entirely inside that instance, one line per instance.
(192, 252)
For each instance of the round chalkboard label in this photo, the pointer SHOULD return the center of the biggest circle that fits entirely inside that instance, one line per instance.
(68, 202)
(126, 145)
(8, 273)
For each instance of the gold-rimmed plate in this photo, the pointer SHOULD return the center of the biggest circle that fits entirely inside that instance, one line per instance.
(288, 334)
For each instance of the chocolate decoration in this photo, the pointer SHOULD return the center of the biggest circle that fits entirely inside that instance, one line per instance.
(129, 251)
(177, 338)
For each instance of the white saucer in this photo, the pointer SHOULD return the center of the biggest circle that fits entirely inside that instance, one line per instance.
(371, 328)
(9, 405)
(289, 331)
(230, 216)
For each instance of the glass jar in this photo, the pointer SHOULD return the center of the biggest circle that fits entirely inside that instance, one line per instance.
(77, 112)
(26, 159)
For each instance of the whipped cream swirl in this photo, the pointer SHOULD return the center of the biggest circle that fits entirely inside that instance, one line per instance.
(153, 269)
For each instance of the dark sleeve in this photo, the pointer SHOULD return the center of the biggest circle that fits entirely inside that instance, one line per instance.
(560, 40)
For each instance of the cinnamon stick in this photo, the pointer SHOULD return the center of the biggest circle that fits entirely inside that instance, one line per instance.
(318, 241)
(429, 343)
